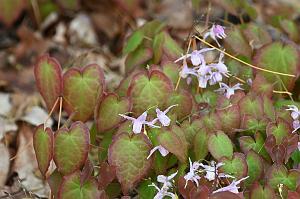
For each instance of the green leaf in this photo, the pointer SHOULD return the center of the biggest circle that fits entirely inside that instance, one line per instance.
(145, 191)
(236, 42)
(290, 27)
(43, 147)
(54, 182)
(191, 129)
(48, 76)
(129, 156)
(237, 166)
(255, 167)
(219, 145)
(149, 90)
(69, 4)
(256, 35)
(137, 58)
(11, 10)
(103, 146)
(133, 42)
(171, 47)
(158, 43)
(175, 143)
(82, 88)
(71, 187)
(280, 130)
(278, 174)
(171, 70)
(108, 110)
(211, 122)
(71, 147)
(230, 118)
(251, 105)
(278, 57)
(260, 192)
(200, 144)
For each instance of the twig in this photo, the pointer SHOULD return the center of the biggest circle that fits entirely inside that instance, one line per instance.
(49, 115)
(59, 115)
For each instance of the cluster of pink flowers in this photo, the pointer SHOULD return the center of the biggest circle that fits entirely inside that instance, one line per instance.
(295, 113)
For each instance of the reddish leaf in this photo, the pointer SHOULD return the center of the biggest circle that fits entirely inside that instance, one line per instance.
(129, 156)
(185, 103)
(86, 172)
(230, 118)
(107, 174)
(10, 10)
(257, 191)
(108, 110)
(236, 166)
(82, 89)
(185, 191)
(201, 192)
(224, 195)
(43, 147)
(71, 147)
(48, 75)
(54, 182)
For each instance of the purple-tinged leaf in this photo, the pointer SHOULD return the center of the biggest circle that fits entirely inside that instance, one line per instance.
(261, 86)
(200, 144)
(174, 143)
(258, 191)
(251, 105)
(71, 147)
(211, 122)
(43, 147)
(278, 174)
(235, 166)
(54, 182)
(201, 192)
(149, 90)
(86, 172)
(224, 195)
(279, 129)
(107, 174)
(219, 145)
(108, 110)
(280, 58)
(138, 57)
(128, 154)
(158, 43)
(230, 118)
(191, 129)
(185, 103)
(10, 10)
(72, 188)
(82, 88)
(48, 76)
(257, 36)
(255, 167)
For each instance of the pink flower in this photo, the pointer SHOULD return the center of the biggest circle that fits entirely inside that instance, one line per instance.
(227, 90)
(197, 56)
(162, 117)
(164, 152)
(192, 174)
(295, 111)
(215, 32)
(185, 71)
(232, 187)
(218, 70)
(139, 122)
(296, 125)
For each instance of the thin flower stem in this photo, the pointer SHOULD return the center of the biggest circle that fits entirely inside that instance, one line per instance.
(59, 115)
(241, 61)
(49, 115)
(188, 49)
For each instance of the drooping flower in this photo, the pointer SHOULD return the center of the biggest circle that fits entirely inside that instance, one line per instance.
(166, 180)
(197, 56)
(139, 122)
(218, 70)
(163, 192)
(216, 32)
(227, 90)
(186, 71)
(295, 111)
(164, 152)
(232, 187)
(296, 125)
(212, 171)
(162, 117)
(192, 174)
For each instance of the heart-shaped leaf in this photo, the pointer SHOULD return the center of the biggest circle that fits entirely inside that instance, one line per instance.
(11, 10)
(278, 174)
(191, 129)
(185, 103)
(171, 70)
(255, 167)
(174, 143)
(279, 129)
(257, 36)
(129, 156)
(219, 145)
(236, 42)
(261, 86)
(171, 48)
(280, 58)
(230, 118)
(258, 191)
(149, 90)
(138, 57)
(54, 182)
(251, 105)
(71, 147)
(237, 166)
(72, 188)
(211, 122)
(200, 144)
(107, 174)
(43, 147)
(48, 76)
(108, 110)
(82, 88)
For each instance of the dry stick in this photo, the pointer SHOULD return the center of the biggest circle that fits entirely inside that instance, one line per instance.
(241, 61)
(59, 115)
(49, 115)
(188, 49)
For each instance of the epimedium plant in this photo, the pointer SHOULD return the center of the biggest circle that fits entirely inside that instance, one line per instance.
(219, 134)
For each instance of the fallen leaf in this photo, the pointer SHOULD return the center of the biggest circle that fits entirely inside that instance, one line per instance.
(36, 116)
(4, 164)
